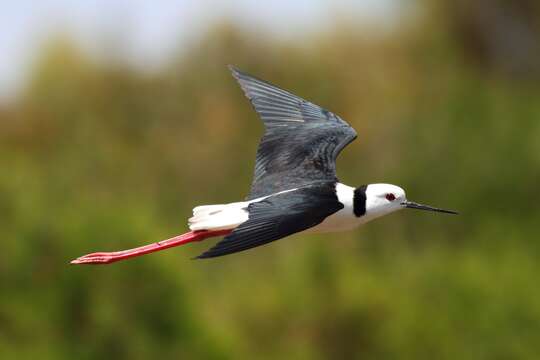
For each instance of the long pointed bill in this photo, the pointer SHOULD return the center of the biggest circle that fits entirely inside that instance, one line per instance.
(413, 205)
(110, 257)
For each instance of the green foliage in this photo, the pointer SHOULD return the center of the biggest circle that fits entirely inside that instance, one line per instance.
(101, 157)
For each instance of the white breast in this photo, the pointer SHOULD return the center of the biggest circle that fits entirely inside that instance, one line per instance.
(344, 219)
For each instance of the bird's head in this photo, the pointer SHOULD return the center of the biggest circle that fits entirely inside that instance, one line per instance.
(382, 199)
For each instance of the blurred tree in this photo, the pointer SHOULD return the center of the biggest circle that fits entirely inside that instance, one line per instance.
(501, 35)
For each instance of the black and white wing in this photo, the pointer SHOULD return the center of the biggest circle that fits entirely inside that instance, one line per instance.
(301, 141)
(279, 216)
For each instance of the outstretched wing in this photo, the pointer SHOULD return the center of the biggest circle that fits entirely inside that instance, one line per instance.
(279, 216)
(301, 141)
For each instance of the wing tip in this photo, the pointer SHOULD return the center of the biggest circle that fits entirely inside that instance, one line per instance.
(235, 71)
(208, 255)
(213, 252)
(244, 78)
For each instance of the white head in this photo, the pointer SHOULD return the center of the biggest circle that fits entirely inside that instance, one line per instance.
(383, 199)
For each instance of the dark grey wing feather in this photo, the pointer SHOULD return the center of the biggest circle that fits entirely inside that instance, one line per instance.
(279, 216)
(301, 141)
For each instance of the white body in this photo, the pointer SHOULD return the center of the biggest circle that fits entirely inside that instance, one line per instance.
(229, 216)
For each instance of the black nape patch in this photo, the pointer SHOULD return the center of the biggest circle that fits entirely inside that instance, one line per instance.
(359, 201)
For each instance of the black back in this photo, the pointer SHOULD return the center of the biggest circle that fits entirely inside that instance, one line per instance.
(301, 141)
(279, 216)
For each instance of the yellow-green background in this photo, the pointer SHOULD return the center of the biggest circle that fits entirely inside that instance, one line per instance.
(98, 156)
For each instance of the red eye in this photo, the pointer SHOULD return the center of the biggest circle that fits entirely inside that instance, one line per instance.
(390, 197)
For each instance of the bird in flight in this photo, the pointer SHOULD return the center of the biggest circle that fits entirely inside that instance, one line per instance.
(294, 188)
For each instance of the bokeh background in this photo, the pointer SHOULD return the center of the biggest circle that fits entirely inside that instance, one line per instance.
(118, 117)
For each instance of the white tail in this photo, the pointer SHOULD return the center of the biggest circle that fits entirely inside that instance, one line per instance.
(223, 216)
(218, 217)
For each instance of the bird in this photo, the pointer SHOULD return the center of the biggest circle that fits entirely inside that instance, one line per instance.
(294, 189)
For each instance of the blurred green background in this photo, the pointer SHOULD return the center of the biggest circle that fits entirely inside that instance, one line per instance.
(99, 154)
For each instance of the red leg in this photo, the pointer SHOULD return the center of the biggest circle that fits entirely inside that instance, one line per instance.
(110, 257)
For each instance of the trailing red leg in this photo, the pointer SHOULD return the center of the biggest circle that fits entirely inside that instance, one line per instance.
(110, 257)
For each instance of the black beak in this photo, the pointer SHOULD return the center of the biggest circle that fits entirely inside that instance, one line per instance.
(413, 205)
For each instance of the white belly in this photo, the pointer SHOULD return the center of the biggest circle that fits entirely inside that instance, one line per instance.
(339, 221)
